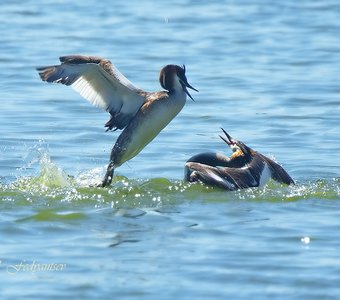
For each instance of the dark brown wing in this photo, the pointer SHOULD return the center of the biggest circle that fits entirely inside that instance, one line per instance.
(278, 173)
(228, 178)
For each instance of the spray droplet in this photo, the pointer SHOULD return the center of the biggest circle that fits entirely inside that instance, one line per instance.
(305, 240)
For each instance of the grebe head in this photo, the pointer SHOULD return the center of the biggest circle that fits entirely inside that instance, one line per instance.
(172, 78)
(238, 148)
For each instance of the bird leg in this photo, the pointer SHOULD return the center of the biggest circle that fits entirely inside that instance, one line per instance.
(108, 175)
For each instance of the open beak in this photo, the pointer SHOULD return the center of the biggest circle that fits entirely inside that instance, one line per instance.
(186, 85)
(229, 140)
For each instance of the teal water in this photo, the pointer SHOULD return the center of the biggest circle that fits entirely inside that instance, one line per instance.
(267, 72)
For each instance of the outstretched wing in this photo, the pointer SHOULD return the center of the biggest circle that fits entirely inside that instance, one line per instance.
(206, 174)
(99, 82)
(277, 172)
(227, 178)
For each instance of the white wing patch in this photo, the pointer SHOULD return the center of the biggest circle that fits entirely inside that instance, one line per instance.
(99, 82)
(220, 179)
(100, 89)
(265, 175)
(95, 91)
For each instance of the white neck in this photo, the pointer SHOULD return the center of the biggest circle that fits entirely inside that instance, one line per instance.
(176, 84)
(265, 176)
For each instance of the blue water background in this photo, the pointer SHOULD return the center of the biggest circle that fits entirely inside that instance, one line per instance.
(267, 71)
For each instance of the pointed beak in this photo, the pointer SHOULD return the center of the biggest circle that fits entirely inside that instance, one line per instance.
(229, 140)
(185, 85)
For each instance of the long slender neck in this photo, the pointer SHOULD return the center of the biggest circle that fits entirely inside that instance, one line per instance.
(178, 91)
(176, 86)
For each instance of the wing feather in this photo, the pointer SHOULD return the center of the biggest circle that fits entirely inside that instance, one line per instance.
(278, 173)
(227, 178)
(99, 82)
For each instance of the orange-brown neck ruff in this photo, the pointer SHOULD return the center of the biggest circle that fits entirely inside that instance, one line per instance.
(237, 153)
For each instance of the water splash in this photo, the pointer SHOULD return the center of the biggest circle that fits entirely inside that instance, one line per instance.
(53, 187)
